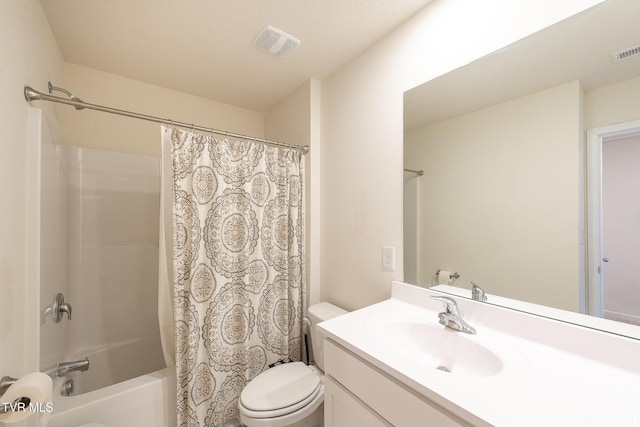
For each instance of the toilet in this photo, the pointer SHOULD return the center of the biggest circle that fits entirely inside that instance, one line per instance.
(290, 394)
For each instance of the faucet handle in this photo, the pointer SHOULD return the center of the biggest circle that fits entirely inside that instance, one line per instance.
(450, 305)
(477, 293)
(57, 308)
(451, 317)
(65, 307)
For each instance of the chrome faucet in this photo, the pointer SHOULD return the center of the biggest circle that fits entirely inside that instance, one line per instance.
(477, 293)
(451, 317)
(68, 367)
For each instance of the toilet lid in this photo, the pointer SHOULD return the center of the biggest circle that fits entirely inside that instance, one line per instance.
(280, 387)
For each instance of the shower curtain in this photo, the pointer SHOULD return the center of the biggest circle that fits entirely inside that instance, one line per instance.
(238, 267)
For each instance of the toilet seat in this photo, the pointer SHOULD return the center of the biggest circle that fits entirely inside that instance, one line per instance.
(280, 390)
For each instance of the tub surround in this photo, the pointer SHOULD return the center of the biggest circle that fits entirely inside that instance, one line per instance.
(99, 241)
(147, 400)
(518, 369)
(112, 364)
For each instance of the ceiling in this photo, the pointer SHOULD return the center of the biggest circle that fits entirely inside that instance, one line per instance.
(204, 47)
(535, 63)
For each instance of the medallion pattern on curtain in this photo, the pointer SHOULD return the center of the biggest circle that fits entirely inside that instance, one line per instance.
(238, 260)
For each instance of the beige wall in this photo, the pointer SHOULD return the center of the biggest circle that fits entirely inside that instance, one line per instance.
(499, 200)
(96, 129)
(288, 120)
(30, 56)
(361, 159)
(617, 103)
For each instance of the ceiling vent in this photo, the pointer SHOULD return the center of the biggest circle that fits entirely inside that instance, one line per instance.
(627, 53)
(276, 42)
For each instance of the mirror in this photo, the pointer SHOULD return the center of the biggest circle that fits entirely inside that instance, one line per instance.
(501, 143)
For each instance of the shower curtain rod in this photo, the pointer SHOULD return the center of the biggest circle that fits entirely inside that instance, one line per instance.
(419, 173)
(31, 94)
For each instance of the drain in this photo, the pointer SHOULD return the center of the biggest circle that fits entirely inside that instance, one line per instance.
(443, 369)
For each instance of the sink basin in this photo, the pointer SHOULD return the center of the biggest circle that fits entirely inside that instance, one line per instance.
(435, 346)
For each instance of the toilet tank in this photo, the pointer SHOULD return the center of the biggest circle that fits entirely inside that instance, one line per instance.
(319, 313)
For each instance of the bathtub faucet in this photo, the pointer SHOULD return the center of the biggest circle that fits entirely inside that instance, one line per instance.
(68, 367)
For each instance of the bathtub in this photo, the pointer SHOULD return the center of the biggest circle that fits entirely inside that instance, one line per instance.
(147, 400)
(115, 363)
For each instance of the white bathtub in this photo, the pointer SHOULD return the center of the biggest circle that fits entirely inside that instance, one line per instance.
(115, 363)
(145, 401)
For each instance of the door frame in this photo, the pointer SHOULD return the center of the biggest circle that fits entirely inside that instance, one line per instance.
(595, 137)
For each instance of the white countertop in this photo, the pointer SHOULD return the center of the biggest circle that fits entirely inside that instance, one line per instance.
(552, 374)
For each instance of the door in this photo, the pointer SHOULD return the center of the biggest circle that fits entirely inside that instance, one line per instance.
(620, 270)
(613, 222)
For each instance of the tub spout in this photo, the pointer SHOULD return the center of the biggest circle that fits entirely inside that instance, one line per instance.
(68, 367)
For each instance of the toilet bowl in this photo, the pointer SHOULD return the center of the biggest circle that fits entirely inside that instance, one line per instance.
(290, 394)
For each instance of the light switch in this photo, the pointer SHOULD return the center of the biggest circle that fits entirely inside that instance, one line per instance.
(388, 258)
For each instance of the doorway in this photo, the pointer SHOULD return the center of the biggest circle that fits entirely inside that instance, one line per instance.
(613, 217)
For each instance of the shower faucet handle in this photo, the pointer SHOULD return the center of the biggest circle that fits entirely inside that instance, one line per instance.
(65, 307)
(57, 309)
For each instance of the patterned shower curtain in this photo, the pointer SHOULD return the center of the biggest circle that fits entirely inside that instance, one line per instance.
(238, 262)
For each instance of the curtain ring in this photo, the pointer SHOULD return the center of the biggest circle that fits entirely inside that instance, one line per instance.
(172, 126)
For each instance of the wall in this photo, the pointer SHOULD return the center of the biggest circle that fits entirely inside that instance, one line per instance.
(289, 120)
(95, 129)
(616, 103)
(361, 159)
(30, 56)
(99, 241)
(113, 252)
(54, 248)
(499, 197)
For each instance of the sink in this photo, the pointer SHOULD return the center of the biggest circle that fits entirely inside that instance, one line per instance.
(433, 345)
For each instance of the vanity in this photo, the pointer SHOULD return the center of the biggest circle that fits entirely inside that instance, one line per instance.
(394, 364)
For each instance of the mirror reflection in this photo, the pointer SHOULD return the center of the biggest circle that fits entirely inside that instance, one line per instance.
(503, 200)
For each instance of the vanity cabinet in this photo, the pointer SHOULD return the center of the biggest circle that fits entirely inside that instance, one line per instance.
(343, 408)
(357, 394)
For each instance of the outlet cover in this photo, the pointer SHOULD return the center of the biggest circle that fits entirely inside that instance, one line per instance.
(388, 258)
